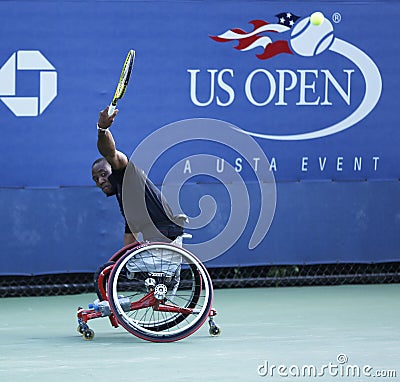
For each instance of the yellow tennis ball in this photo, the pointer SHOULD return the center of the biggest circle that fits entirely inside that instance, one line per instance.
(317, 18)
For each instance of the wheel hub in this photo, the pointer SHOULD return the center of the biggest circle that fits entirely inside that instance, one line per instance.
(160, 291)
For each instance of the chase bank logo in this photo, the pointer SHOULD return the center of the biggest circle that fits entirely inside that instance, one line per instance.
(307, 37)
(27, 60)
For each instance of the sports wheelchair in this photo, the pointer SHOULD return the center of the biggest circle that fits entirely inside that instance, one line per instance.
(157, 291)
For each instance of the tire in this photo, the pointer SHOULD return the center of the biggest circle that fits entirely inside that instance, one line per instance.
(187, 282)
(96, 279)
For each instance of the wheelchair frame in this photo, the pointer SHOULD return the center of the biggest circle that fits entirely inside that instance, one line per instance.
(152, 296)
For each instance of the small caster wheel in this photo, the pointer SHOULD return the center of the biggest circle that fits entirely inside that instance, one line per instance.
(82, 327)
(214, 330)
(88, 334)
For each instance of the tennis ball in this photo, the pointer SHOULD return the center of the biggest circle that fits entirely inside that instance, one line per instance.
(317, 18)
(307, 40)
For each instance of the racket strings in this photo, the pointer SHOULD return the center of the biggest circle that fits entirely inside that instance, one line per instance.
(124, 78)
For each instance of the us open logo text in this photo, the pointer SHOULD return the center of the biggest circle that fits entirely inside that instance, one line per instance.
(311, 87)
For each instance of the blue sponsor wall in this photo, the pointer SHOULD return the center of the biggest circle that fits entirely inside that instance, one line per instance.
(320, 101)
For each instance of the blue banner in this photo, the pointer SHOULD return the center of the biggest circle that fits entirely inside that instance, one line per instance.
(327, 113)
(317, 95)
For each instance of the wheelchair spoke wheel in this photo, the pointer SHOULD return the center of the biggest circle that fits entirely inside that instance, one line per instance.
(160, 292)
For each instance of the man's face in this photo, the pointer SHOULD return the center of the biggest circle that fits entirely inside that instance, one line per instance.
(100, 173)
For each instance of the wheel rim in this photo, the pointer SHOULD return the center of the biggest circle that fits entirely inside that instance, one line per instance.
(194, 291)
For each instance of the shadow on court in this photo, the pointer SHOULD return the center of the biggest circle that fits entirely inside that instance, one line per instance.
(320, 330)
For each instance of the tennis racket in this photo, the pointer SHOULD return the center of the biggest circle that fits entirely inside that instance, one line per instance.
(123, 80)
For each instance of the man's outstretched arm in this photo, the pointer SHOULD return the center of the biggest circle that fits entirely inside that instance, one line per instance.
(106, 143)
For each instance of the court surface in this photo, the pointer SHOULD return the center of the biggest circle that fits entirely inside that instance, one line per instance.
(326, 328)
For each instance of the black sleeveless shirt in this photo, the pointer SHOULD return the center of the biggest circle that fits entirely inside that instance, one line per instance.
(143, 206)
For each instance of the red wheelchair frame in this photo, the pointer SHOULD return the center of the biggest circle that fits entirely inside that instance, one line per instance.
(149, 300)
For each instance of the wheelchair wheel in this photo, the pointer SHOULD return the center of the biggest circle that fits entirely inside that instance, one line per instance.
(160, 292)
(96, 279)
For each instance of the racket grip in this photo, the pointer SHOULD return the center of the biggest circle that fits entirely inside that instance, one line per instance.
(111, 109)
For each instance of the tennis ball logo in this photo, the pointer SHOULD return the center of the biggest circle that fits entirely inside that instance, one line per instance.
(312, 35)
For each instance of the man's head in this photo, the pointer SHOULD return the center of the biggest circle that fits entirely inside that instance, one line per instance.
(101, 170)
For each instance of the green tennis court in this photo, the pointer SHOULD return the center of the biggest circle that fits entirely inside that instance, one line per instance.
(304, 333)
